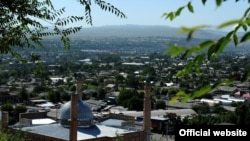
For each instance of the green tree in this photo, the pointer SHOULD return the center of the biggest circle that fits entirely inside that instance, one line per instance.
(131, 99)
(202, 108)
(243, 114)
(54, 96)
(132, 81)
(208, 49)
(217, 108)
(23, 95)
(160, 104)
(7, 107)
(136, 102)
(119, 78)
(18, 110)
(65, 96)
(101, 94)
(16, 136)
(40, 88)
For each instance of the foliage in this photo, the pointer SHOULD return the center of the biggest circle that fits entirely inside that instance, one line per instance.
(13, 111)
(119, 137)
(205, 108)
(132, 81)
(202, 108)
(7, 107)
(39, 89)
(208, 49)
(131, 99)
(160, 104)
(10, 136)
(101, 94)
(54, 96)
(22, 23)
(18, 110)
(65, 96)
(243, 114)
(216, 114)
(23, 95)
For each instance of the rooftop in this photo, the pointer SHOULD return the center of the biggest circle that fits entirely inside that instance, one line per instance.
(95, 131)
(160, 113)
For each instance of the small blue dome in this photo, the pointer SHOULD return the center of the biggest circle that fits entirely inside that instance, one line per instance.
(85, 116)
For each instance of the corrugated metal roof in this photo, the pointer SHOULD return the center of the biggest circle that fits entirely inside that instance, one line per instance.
(179, 112)
(112, 122)
(95, 131)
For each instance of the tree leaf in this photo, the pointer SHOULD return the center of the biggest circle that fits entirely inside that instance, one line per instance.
(194, 28)
(171, 16)
(235, 39)
(190, 7)
(175, 50)
(247, 21)
(186, 70)
(204, 2)
(165, 15)
(244, 26)
(173, 100)
(190, 35)
(178, 12)
(218, 3)
(222, 44)
(230, 34)
(191, 30)
(246, 12)
(245, 37)
(185, 29)
(204, 90)
(206, 44)
(211, 52)
(229, 23)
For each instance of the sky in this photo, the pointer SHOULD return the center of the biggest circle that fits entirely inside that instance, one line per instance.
(149, 12)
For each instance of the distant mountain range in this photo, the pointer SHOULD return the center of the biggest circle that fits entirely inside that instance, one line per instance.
(130, 37)
(141, 31)
(130, 31)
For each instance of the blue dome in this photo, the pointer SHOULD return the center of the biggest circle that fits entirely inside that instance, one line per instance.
(85, 116)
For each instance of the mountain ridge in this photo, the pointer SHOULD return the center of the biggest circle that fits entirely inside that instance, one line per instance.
(141, 31)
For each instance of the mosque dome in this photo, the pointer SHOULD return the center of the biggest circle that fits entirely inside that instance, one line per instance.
(84, 114)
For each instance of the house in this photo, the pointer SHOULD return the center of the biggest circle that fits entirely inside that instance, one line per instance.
(222, 90)
(246, 96)
(242, 94)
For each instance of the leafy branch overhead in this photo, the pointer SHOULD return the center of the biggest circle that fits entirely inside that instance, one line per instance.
(208, 49)
(22, 23)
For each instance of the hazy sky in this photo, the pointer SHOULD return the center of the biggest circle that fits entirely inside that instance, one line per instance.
(149, 12)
